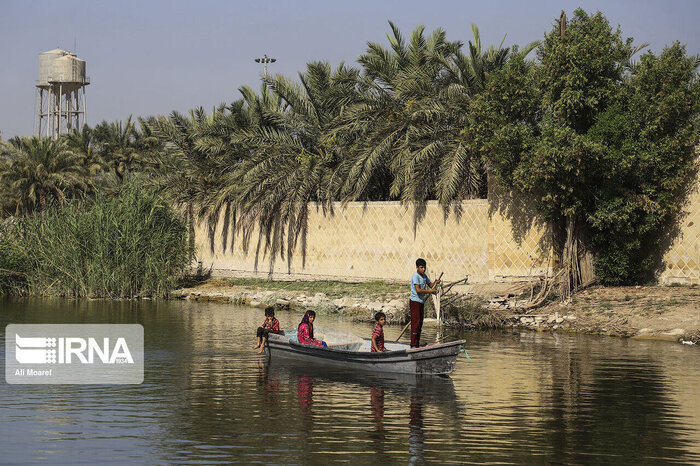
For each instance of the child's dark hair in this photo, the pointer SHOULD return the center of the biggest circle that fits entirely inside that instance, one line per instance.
(420, 262)
(311, 313)
(269, 311)
(378, 316)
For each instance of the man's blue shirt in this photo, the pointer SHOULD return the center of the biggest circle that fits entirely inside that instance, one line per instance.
(423, 281)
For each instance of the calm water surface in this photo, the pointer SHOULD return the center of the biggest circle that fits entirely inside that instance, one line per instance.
(207, 398)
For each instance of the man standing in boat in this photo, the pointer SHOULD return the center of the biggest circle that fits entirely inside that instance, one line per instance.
(421, 287)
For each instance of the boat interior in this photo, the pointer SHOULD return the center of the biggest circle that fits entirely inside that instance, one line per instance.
(346, 341)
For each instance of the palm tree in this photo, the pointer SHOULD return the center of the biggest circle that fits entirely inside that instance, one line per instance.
(397, 119)
(462, 173)
(197, 155)
(413, 118)
(38, 171)
(117, 143)
(292, 162)
(83, 143)
(183, 170)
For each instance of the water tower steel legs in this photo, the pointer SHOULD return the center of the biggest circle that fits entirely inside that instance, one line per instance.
(69, 112)
(37, 111)
(85, 120)
(57, 111)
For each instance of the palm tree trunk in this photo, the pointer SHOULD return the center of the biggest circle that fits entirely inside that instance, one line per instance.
(42, 200)
(190, 224)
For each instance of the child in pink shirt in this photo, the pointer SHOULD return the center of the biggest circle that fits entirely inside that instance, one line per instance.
(305, 331)
(378, 333)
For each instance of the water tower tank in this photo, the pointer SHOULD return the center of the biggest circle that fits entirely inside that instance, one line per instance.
(68, 71)
(60, 104)
(46, 61)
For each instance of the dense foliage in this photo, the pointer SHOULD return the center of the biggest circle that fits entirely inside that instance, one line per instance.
(131, 244)
(595, 137)
(35, 172)
(601, 143)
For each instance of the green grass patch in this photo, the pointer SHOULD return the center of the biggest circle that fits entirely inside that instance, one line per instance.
(332, 289)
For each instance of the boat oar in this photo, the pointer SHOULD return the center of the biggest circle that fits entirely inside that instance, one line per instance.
(404, 330)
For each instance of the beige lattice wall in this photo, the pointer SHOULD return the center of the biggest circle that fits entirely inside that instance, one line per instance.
(519, 243)
(498, 239)
(377, 241)
(683, 258)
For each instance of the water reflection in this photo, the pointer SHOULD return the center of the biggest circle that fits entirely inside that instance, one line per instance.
(410, 393)
(378, 435)
(305, 388)
(523, 397)
(269, 388)
(416, 438)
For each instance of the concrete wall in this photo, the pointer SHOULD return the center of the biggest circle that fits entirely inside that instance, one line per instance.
(495, 239)
(682, 261)
(378, 241)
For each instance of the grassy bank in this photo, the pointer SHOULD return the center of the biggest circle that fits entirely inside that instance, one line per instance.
(359, 300)
(334, 289)
(130, 244)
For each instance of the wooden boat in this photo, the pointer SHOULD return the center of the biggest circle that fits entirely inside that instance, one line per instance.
(347, 351)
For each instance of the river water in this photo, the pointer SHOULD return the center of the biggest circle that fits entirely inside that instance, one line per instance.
(207, 397)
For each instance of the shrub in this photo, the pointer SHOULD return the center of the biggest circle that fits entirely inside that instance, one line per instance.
(132, 244)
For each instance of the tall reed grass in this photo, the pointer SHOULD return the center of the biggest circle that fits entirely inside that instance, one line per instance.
(131, 244)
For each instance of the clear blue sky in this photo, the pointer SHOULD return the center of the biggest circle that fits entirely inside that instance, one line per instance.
(152, 57)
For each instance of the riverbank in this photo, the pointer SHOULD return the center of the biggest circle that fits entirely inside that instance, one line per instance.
(650, 312)
(647, 312)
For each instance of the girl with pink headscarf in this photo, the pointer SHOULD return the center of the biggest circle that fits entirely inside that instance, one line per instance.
(305, 331)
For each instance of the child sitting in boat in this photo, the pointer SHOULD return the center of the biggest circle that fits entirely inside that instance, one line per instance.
(305, 331)
(271, 324)
(378, 333)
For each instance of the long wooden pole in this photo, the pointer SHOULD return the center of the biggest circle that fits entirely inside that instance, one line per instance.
(404, 329)
(436, 300)
(409, 319)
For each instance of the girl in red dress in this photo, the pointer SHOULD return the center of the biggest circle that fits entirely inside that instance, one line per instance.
(305, 331)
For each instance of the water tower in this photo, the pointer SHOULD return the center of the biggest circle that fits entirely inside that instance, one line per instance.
(60, 104)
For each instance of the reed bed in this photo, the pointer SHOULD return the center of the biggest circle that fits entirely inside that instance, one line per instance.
(131, 244)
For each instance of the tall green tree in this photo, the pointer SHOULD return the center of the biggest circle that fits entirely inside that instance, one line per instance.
(118, 146)
(38, 171)
(294, 162)
(548, 129)
(649, 165)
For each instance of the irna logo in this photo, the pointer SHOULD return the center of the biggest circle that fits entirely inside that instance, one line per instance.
(70, 350)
